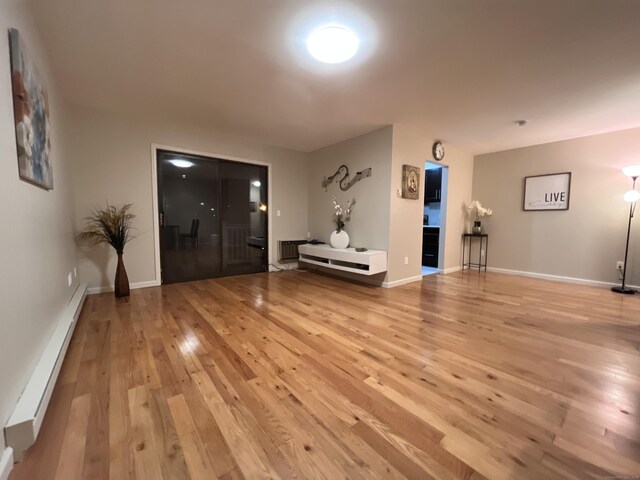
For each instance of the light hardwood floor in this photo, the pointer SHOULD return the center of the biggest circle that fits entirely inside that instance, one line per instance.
(298, 375)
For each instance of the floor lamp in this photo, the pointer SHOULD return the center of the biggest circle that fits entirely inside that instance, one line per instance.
(632, 197)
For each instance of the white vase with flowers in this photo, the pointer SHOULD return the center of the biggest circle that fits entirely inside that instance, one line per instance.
(476, 211)
(339, 237)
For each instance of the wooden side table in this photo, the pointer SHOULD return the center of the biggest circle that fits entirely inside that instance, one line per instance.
(484, 239)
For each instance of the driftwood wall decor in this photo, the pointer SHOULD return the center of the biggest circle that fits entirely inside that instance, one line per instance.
(342, 177)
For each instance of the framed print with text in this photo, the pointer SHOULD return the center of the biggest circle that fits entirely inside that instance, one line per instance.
(547, 192)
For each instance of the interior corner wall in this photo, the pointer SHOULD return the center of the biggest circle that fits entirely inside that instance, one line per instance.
(369, 225)
(38, 248)
(412, 146)
(583, 242)
(111, 159)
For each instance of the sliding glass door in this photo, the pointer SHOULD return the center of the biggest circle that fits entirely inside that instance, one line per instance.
(213, 217)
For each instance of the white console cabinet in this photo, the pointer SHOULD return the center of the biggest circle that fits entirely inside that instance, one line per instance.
(345, 259)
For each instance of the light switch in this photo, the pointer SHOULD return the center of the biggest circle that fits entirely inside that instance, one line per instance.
(277, 213)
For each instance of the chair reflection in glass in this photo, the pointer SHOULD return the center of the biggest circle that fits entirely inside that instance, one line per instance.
(192, 236)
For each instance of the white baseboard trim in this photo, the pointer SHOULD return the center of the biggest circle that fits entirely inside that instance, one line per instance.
(556, 278)
(452, 269)
(132, 286)
(6, 463)
(397, 283)
(24, 423)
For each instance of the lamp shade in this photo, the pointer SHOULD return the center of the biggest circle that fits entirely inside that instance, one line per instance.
(632, 171)
(632, 196)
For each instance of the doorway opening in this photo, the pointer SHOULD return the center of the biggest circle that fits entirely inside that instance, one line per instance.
(434, 219)
(213, 217)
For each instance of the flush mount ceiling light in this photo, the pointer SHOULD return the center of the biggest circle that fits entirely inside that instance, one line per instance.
(176, 162)
(332, 44)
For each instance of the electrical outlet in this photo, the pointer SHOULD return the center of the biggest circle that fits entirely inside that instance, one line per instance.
(308, 234)
(69, 279)
(619, 265)
(406, 260)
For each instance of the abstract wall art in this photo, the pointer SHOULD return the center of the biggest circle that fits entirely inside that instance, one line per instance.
(31, 116)
(342, 177)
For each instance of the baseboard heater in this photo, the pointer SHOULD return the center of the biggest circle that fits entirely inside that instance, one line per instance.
(288, 249)
(24, 424)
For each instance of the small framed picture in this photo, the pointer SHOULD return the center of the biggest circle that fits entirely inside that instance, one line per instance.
(547, 192)
(410, 182)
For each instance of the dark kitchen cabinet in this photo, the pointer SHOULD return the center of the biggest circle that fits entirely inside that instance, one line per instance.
(433, 185)
(430, 246)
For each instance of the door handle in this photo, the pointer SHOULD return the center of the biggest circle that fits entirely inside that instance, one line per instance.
(162, 219)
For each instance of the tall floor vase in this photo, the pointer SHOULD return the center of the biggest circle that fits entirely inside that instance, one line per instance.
(122, 280)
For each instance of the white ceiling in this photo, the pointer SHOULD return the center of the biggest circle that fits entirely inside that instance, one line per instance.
(466, 69)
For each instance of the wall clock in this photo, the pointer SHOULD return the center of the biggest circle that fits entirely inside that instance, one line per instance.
(438, 151)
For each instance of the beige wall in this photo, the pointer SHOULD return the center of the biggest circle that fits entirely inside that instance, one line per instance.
(584, 242)
(38, 249)
(112, 161)
(369, 224)
(382, 219)
(412, 146)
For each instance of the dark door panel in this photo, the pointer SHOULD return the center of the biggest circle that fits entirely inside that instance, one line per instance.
(213, 217)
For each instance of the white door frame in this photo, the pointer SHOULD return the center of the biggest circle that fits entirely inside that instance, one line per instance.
(443, 208)
(156, 214)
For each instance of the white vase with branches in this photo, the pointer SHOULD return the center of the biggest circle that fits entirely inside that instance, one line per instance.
(339, 237)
